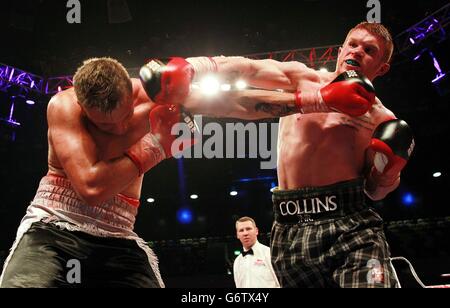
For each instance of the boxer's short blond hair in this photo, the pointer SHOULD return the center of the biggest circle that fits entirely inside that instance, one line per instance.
(102, 83)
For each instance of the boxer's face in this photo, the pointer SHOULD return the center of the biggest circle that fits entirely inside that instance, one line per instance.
(115, 122)
(246, 232)
(364, 52)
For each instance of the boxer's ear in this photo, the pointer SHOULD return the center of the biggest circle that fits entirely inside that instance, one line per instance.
(383, 69)
(83, 112)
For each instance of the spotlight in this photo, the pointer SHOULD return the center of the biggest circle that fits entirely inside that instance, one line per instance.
(241, 85)
(414, 40)
(30, 102)
(408, 199)
(194, 197)
(184, 216)
(225, 87)
(210, 85)
(150, 200)
(233, 193)
(437, 174)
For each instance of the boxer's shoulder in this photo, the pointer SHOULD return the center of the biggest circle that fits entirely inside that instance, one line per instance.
(63, 106)
(63, 99)
(380, 113)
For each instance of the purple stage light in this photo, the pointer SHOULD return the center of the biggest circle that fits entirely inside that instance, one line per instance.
(419, 37)
(11, 111)
(11, 120)
(440, 74)
(11, 75)
(419, 55)
(438, 77)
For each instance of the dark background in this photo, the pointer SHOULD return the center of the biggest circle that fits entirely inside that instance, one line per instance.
(38, 39)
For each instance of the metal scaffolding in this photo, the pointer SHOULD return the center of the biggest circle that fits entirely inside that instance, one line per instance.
(317, 57)
(431, 27)
(11, 76)
(56, 84)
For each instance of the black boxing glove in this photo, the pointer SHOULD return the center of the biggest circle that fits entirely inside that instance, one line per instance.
(392, 145)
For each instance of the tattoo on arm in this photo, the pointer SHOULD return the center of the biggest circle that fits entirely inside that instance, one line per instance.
(277, 110)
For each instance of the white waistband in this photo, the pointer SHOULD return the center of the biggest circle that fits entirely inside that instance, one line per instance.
(115, 217)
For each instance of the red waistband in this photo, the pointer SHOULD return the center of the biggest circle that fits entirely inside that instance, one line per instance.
(131, 201)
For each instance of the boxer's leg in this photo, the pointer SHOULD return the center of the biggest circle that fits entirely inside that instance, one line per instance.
(39, 260)
(118, 263)
(366, 262)
(293, 263)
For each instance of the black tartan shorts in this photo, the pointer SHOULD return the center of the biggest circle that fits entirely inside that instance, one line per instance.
(329, 237)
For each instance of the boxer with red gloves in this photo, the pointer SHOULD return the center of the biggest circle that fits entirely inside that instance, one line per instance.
(332, 127)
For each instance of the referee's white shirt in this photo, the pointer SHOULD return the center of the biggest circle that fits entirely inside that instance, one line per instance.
(255, 271)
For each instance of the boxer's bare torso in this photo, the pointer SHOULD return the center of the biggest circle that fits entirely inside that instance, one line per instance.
(106, 146)
(324, 148)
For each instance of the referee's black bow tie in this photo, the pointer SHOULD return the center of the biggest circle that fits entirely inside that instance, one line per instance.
(248, 252)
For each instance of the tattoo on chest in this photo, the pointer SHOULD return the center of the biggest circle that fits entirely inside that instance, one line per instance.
(363, 122)
(277, 110)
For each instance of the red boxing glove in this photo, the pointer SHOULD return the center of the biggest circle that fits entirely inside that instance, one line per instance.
(159, 143)
(163, 119)
(167, 83)
(350, 93)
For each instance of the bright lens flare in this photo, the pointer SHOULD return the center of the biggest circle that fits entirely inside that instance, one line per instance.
(210, 85)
